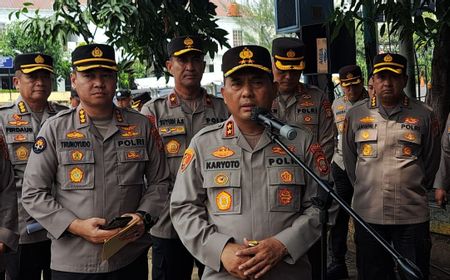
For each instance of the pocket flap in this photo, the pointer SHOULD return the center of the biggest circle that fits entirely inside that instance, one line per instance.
(366, 135)
(286, 176)
(410, 136)
(19, 138)
(222, 178)
(76, 156)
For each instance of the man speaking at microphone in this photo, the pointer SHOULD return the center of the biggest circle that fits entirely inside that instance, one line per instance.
(240, 204)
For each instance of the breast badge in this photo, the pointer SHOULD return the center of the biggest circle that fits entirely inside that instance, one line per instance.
(76, 175)
(223, 152)
(365, 134)
(307, 118)
(20, 138)
(173, 146)
(22, 153)
(286, 177)
(224, 201)
(187, 158)
(410, 136)
(17, 121)
(75, 135)
(128, 131)
(407, 151)
(133, 155)
(367, 119)
(285, 196)
(39, 145)
(221, 179)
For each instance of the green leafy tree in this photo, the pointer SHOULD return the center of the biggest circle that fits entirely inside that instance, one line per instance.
(15, 40)
(257, 21)
(140, 28)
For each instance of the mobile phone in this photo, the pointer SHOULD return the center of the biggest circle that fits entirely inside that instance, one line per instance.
(117, 222)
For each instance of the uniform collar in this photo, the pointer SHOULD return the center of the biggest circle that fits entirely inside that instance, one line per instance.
(82, 119)
(405, 102)
(173, 100)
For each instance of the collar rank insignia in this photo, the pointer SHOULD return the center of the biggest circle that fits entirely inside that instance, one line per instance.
(18, 121)
(173, 100)
(75, 135)
(223, 152)
(22, 107)
(373, 102)
(82, 116)
(405, 101)
(224, 201)
(229, 129)
(246, 55)
(119, 116)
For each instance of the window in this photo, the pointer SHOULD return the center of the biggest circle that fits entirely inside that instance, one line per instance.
(237, 38)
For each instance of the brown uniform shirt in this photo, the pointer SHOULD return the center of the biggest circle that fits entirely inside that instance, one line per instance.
(225, 190)
(391, 160)
(8, 199)
(94, 176)
(20, 127)
(442, 179)
(309, 107)
(177, 123)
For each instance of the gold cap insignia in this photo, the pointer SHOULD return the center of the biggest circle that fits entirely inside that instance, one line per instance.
(97, 52)
(246, 55)
(224, 201)
(188, 42)
(387, 58)
(285, 196)
(223, 152)
(349, 76)
(290, 54)
(39, 59)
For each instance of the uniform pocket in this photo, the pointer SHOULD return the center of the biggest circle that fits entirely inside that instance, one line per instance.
(131, 165)
(224, 191)
(285, 188)
(78, 169)
(408, 145)
(366, 141)
(174, 139)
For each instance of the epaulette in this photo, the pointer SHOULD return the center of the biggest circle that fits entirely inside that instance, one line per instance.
(7, 106)
(210, 128)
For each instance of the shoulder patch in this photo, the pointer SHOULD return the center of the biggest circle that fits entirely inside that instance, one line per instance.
(321, 162)
(39, 145)
(188, 156)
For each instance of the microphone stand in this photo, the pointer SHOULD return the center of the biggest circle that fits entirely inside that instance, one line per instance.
(407, 269)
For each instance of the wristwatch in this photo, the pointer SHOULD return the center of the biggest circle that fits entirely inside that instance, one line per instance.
(148, 220)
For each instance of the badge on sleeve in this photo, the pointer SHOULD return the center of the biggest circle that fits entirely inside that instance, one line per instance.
(39, 145)
(189, 155)
(320, 159)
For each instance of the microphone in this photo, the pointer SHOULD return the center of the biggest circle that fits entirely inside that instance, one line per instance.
(263, 117)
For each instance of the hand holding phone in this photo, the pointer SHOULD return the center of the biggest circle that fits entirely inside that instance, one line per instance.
(117, 222)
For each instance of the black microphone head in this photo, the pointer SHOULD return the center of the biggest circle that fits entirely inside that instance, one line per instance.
(257, 111)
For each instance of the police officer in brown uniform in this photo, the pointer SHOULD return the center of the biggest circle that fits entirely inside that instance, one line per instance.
(301, 104)
(240, 204)
(21, 122)
(9, 237)
(390, 155)
(178, 117)
(103, 162)
(351, 81)
(442, 180)
(298, 103)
